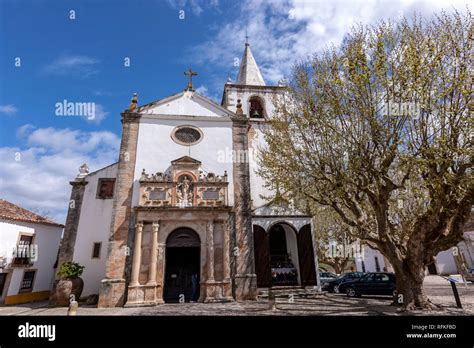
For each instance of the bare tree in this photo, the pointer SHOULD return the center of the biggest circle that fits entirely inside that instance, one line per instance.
(336, 245)
(380, 130)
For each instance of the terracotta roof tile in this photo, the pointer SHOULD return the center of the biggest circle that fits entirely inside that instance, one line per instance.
(10, 211)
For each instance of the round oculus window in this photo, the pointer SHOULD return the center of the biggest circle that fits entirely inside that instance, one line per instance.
(187, 135)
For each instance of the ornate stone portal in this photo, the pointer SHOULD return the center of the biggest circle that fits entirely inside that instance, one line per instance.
(182, 197)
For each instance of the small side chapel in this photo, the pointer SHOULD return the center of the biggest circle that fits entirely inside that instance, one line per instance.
(176, 219)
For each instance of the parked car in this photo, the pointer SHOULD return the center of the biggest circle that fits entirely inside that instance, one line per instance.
(333, 285)
(470, 275)
(378, 283)
(326, 277)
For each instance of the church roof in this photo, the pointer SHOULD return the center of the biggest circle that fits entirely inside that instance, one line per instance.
(188, 103)
(249, 73)
(13, 212)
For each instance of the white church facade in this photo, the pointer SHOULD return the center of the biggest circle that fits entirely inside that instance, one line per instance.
(179, 219)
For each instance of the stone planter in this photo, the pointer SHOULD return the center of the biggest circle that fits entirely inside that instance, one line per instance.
(65, 288)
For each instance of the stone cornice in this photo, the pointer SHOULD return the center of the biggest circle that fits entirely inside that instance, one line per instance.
(241, 120)
(78, 182)
(130, 117)
(183, 210)
(254, 87)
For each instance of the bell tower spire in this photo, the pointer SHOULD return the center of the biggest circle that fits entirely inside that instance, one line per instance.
(249, 73)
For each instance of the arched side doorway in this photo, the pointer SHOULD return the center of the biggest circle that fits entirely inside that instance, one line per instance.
(306, 256)
(182, 270)
(284, 260)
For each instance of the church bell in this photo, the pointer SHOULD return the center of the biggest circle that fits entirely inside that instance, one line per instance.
(255, 113)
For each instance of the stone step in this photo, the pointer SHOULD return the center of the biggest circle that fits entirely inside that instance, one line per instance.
(286, 292)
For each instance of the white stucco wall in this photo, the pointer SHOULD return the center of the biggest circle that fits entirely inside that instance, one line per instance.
(292, 247)
(94, 226)
(369, 260)
(256, 139)
(185, 103)
(258, 191)
(445, 262)
(156, 149)
(46, 238)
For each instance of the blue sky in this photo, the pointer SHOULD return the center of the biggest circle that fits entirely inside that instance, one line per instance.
(82, 60)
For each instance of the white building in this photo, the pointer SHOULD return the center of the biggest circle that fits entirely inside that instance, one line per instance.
(444, 263)
(183, 205)
(372, 261)
(29, 246)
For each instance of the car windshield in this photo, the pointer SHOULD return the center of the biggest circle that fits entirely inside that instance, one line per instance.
(349, 275)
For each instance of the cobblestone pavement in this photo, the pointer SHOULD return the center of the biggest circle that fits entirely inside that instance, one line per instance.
(438, 290)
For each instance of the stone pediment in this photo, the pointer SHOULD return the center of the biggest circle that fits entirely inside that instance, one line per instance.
(277, 209)
(186, 160)
(187, 103)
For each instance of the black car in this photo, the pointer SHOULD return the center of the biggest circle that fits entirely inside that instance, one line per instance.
(370, 284)
(333, 285)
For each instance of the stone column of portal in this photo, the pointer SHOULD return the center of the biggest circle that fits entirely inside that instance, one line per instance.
(160, 273)
(210, 250)
(113, 287)
(227, 287)
(245, 280)
(154, 255)
(226, 256)
(137, 254)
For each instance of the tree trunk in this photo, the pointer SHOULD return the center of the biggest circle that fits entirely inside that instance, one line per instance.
(409, 275)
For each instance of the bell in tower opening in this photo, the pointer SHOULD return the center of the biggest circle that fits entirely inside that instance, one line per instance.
(256, 107)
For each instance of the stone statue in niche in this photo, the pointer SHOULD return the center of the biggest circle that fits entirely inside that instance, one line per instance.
(184, 191)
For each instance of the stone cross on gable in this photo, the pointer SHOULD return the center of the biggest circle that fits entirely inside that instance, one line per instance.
(190, 73)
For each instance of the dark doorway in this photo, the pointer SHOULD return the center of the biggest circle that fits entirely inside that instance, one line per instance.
(3, 280)
(278, 242)
(182, 271)
(432, 269)
(262, 257)
(306, 254)
(283, 269)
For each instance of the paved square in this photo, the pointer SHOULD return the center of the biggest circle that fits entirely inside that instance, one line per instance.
(438, 290)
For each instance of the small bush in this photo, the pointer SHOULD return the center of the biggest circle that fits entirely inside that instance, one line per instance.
(70, 270)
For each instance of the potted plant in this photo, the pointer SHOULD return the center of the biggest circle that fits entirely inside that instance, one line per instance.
(70, 285)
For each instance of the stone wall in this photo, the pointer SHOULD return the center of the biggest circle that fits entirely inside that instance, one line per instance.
(113, 287)
(245, 281)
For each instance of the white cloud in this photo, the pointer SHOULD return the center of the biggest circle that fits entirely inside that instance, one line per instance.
(9, 109)
(102, 93)
(72, 65)
(284, 31)
(202, 90)
(196, 6)
(36, 175)
(100, 114)
(24, 130)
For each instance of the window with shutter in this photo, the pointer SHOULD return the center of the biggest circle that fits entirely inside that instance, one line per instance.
(105, 188)
(96, 250)
(27, 281)
(22, 253)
